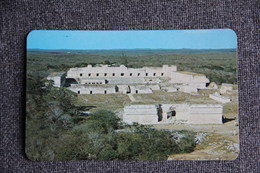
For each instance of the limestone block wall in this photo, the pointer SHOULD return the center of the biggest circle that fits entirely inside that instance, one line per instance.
(140, 89)
(164, 71)
(125, 80)
(220, 98)
(226, 87)
(150, 80)
(135, 77)
(177, 77)
(188, 88)
(182, 111)
(169, 89)
(58, 79)
(112, 89)
(154, 87)
(145, 75)
(86, 89)
(194, 79)
(93, 81)
(205, 114)
(191, 114)
(123, 88)
(166, 108)
(200, 81)
(142, 114)
(122, 71)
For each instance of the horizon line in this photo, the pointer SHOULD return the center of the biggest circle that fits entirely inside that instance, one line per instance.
(134, 49)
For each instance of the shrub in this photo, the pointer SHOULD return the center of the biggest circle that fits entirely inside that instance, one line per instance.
(105, 120)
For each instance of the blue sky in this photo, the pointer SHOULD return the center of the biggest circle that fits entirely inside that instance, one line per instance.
(156, 39)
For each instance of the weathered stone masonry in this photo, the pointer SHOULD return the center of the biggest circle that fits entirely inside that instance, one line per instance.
(184, 113)
(111, 80)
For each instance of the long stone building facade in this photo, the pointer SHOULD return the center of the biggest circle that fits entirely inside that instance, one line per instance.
(180, 113)
(104, 79)
(110, 80)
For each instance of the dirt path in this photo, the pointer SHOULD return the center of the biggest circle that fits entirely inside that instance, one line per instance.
(131, 97)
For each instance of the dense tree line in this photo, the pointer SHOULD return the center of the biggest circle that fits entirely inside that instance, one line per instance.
(219, 66)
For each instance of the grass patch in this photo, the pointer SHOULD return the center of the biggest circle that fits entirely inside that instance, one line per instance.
(104, 101)
(174, 97)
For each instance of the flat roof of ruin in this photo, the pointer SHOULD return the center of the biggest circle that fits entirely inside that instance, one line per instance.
(140, 106)
(122, 66)
(205, 105)
(227, 84)
(113, 85)
(95, 85)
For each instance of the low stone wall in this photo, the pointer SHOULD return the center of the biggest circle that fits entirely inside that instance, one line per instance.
(219, 98)
(205, 114)
(122, 71)
(86, 89)
(142, 114)
(185, 113)
(226, 87)
(58, 78)
(187, 88)
(113, 89)
(192, 79)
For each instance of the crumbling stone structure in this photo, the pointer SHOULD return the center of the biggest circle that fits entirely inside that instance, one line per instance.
(216, 96)
(58, 78)
(143, 114)
(184, 113)
(110, 80)
(135, 75)
(226, 88)
(189, 82)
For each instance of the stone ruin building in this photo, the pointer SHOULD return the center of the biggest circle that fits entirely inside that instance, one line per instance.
(179, 113)
(111, 80)
(105, 79)
(59, 79)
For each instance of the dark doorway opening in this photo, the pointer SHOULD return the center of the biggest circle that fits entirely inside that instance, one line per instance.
(225, 119)
(159, 112)
(171, 114)
(70, 81)
(128, 91)
(116, 88)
